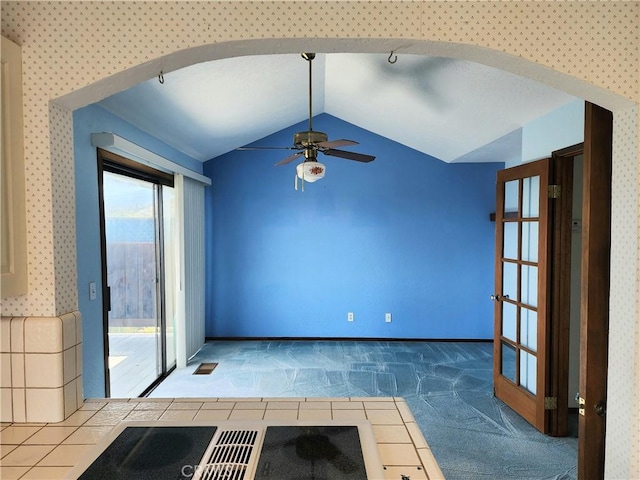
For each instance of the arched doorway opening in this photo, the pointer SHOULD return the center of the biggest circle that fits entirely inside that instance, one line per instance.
(496, 59)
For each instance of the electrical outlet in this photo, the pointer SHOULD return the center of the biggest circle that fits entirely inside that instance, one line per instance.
(350, 317)
(387, 317)
(92, 291)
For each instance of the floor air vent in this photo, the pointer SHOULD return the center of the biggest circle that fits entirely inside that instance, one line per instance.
(229, 456)
(205, 368)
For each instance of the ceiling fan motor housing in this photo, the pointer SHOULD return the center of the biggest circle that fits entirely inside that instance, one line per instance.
(309, 138)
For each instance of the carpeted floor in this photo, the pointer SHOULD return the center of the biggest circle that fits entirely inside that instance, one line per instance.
(448, 387)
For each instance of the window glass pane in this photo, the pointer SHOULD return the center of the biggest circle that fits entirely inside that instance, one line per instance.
(529, 286)
(510, 245)
(509, 320)
(529, 241)
(508, 368)
(510, 280)
(528, 368)
(531, 197)
(529, 328)
(170, 274)
(511, 198)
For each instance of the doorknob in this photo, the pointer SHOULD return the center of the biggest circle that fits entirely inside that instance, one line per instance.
(497, 298)
(601, 408)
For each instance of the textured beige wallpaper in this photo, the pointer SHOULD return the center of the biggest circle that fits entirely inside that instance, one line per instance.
(589, 48)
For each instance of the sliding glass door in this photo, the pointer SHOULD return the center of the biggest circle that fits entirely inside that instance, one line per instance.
(170, 237)
(137, 235)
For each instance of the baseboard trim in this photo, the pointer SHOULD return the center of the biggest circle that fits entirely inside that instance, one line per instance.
(355, 339)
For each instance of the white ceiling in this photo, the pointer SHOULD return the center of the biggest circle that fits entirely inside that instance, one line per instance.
(451, 109)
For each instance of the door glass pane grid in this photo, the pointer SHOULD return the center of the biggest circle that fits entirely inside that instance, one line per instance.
(520, 282)
(511, 253)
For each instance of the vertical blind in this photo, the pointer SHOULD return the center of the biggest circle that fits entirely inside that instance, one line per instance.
(194, 278)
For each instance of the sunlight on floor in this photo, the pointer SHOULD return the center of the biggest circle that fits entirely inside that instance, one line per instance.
(113, 361)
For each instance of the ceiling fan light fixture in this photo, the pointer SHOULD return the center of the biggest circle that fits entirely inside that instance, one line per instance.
(309, 171)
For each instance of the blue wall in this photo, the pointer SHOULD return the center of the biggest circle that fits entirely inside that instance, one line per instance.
(406, 234)
(88, 120)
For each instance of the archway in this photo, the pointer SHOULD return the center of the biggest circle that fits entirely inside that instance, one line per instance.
(623, 109)
(493, 58)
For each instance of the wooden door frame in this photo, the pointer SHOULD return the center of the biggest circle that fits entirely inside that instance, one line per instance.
(560, 291)
(595, 286)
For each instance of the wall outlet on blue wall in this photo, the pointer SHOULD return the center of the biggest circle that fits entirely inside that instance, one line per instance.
(350, 317)
(387, 317)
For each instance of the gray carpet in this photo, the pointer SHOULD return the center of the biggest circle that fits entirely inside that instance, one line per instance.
(448, 387)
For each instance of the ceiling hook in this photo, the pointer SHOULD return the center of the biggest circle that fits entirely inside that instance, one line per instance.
(161, 78)
(395, 58)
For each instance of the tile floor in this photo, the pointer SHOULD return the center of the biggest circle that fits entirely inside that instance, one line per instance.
(49, 451)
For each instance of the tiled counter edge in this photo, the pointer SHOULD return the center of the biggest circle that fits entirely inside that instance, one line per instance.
(41, 368)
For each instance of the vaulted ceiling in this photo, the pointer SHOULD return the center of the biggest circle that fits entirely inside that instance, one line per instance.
(454, 110)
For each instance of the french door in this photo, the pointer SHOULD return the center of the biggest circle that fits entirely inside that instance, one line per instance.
(137, 206)
(522, 318)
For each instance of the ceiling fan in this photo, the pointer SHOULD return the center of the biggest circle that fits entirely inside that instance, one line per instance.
(310, 142)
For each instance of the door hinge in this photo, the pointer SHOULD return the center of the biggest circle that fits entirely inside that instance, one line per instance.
(581, 404)
(554, 191)
(550, 403)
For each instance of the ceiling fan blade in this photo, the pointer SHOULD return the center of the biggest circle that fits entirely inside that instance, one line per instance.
(266, 148)
(289, 159)
(337, 143)
(358, 157)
